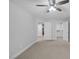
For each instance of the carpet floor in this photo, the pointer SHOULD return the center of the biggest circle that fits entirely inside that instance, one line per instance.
(48, 49)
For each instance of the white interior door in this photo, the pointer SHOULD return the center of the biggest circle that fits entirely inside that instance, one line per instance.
(39, 30)
(47, 31)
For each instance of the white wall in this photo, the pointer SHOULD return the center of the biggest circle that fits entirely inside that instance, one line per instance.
(22, 29)
(65, 32)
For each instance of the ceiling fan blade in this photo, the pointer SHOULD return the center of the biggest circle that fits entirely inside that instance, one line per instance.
(53, 1)
(62, 2)
(49, 2)
(58, 9)
(42, 5)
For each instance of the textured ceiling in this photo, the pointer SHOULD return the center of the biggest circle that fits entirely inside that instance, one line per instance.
(40, 12)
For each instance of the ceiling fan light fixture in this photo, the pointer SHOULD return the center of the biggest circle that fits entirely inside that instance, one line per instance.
(52, 8)
(52, 5)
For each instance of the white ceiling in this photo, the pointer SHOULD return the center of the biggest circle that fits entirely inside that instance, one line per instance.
(40, 12)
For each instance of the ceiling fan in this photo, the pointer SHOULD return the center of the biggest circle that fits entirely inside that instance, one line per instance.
(52, 5)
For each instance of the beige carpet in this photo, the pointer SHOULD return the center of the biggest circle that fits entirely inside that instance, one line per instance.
(47, 50)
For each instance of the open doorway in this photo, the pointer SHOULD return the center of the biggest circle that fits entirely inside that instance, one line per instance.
(40, 31)
(44, 31)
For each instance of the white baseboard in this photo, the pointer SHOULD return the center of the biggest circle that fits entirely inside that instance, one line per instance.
(24, 49)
